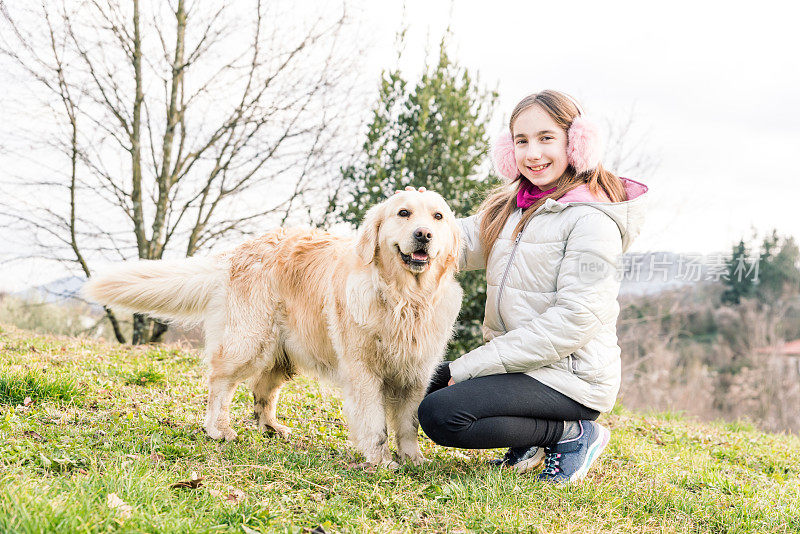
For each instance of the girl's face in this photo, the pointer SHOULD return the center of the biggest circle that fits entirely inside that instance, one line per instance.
(540, 147)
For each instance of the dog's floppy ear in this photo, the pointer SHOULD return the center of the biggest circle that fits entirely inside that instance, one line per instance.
(367, 244)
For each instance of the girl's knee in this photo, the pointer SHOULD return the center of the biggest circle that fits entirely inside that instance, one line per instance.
(426, 414)
(438, 422)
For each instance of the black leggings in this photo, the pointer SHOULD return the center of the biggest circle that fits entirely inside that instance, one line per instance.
(508, 410)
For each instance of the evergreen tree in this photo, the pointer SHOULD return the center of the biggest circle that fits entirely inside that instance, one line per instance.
(739, 283)
(772, 277)
(779, 272)
(432, 134)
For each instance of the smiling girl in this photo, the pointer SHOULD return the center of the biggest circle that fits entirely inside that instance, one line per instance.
(550, 238)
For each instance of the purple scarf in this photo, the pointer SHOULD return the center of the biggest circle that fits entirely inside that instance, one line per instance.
(529, 193)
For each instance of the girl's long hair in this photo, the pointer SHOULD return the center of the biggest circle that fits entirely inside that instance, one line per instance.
(502, 201)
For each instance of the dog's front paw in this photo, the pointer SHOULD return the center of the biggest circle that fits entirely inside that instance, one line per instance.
(419, 460)
(390, 464)
(380, 457)
(282, 431)
(213, 433)
(414, 458)
(371, 466)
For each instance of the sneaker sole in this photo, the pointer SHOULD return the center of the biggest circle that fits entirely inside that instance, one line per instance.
(531, 463)
(595, 449)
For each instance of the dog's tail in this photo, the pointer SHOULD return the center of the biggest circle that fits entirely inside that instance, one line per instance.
(168, 289)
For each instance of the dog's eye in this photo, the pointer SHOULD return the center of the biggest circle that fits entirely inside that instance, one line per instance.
(404, 213)
(438, 216)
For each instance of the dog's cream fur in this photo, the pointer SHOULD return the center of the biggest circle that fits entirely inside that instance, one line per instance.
(348, 311)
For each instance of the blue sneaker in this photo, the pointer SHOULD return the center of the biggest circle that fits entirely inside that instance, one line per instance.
(522, 459)
(512, 456)
(570, 460)
(533, 458)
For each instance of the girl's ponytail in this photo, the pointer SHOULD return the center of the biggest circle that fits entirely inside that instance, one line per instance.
(603, 182)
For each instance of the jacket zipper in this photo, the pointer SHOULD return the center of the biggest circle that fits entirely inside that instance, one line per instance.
(503, 280)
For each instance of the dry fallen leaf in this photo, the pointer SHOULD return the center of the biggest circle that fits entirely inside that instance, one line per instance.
(123, 509)
(362, 465)
(234, 496)
(194, 483)
(33, 435)
(27, 402)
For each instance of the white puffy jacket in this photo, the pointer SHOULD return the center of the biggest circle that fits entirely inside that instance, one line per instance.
(551, 300)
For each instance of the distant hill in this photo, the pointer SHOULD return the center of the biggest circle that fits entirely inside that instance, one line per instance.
(647, 273)
(650, 273)
(59, 290)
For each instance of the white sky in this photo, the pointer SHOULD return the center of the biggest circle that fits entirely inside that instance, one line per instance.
(715, 86)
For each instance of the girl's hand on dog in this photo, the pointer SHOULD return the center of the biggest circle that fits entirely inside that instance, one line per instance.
(450, 382)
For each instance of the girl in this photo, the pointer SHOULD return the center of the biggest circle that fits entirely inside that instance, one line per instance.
(551, 240)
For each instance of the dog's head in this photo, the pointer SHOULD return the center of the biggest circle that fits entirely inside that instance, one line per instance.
(412, 230)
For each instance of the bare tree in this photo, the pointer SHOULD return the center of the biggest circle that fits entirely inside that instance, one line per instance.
(626, 151)
(179, 124)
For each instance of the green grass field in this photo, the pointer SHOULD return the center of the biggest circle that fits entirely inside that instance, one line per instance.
(93, 437)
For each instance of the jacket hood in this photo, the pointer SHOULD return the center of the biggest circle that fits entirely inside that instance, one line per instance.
(628, 215)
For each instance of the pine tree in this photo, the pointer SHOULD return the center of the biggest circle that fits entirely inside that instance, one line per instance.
(774, 276)
(432, 134)
(779, 272)
(739, 283)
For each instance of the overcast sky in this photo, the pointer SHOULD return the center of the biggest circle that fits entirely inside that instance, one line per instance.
(714, 88)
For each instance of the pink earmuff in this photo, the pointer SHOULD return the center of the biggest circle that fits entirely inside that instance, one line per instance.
(505, 163)
(584, 149)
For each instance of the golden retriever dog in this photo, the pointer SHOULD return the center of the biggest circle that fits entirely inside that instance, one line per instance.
(370, 314)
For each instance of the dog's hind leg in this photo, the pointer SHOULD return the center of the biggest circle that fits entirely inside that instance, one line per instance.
(230, 364)
(265, 399)
(220, 394)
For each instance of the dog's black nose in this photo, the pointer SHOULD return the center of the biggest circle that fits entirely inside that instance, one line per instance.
(423, 235)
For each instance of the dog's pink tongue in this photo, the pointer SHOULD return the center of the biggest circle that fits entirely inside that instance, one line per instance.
(419, 256)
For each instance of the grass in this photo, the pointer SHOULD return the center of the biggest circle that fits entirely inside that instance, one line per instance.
(16, 386)
(62, 455)
(144, 377)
